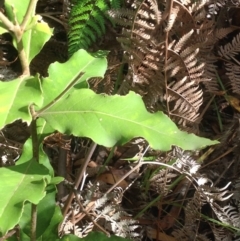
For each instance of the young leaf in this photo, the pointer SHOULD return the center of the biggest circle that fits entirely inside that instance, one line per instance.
(20, 183)
(35, 37)
(116, 119)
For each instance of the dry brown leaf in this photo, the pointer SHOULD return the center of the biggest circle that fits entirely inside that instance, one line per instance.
(154, 234)
(112, 177)
(234, 102)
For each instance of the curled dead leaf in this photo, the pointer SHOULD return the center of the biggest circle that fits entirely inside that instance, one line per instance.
(111, 177)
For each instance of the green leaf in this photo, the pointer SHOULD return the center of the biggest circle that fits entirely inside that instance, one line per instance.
(45, 212)
(43, 130)
(94, 236)
(35, 37)
(19, 8)
(51, 232)
(60, 76)
(15, 98)
(56, 180)
(14, 238)
(20, 183)
(117, 119)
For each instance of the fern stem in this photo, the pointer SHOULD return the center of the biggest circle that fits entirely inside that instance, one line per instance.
(168, 9)
(89, 216)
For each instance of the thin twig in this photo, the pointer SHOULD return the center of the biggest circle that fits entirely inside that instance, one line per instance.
(8, 235)
(86, 213)
(48, 15)
(139, 164)
(219, 157)
(80, 176)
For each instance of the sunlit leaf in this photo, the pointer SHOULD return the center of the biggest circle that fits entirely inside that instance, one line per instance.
(117, 119)
(20, 183)
(15, 98)
(63, 75)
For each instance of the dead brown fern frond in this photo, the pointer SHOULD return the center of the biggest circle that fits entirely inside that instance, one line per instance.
(145, 28)
(220, 233)
(230, 55)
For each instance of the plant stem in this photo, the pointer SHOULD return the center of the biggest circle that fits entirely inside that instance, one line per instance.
(21, 52)
(6, 22)
(33, 222)
(35, 146)
(38, 113)
(30, 13)
(35, 154)
(18, 31)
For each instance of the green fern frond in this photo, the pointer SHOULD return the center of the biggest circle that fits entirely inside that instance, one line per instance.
(87, 22)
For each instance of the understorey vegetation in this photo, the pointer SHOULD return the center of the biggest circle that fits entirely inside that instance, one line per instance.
(119, 120)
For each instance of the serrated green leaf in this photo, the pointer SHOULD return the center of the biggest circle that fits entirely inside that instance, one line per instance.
(117, 119)
(63, 75)
(15, 98)
(20, 183)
